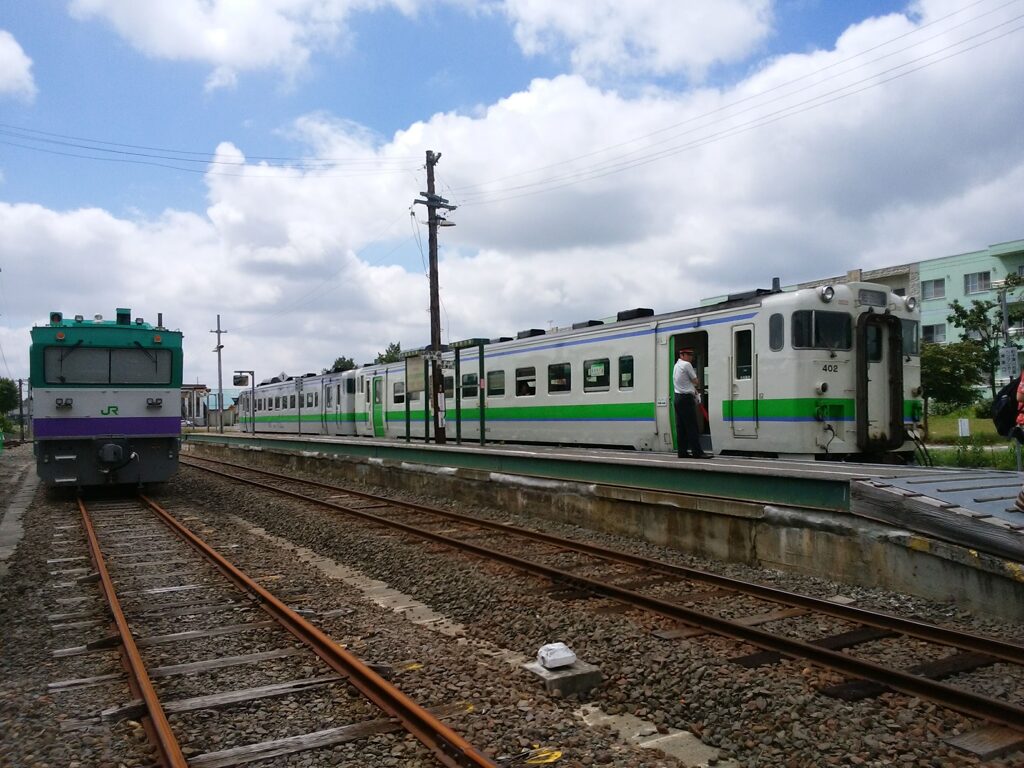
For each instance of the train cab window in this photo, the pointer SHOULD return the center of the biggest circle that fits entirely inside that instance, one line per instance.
(559, 378)
(526, 381)
(495, 383)
(399, 392)
(76, 365)
(744, 341)
(140, 366)
(911, 337)
(874, 343)
(776, 332)
(596, 375)
(626, 372)
(469, 385)
(449, 387)
(818, 329)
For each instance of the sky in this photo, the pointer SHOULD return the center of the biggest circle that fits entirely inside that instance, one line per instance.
(259, 160)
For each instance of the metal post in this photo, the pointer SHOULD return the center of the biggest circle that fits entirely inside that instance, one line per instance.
(481, 392)
(220, 381)
(458, 398)
(426, 400)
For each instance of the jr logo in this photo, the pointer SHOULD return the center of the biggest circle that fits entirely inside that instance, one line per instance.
(110, 410)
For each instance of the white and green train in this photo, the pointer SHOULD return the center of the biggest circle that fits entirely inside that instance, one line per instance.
(826, 372)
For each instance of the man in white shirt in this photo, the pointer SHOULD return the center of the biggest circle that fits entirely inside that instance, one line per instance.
(686, 385)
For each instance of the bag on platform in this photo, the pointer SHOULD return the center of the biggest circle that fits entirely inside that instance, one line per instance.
(1004, 408)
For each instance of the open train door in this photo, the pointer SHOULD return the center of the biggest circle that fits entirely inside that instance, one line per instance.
(879, 353)
(698, 342)
(378, 406)
(743, 381)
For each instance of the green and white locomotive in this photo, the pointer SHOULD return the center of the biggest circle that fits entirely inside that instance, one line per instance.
(105, 400)
(831, 372)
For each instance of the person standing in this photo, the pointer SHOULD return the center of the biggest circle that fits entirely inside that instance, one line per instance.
(1018, 432)
(685, 385)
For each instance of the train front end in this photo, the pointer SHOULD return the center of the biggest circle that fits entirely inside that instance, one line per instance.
(105, 400)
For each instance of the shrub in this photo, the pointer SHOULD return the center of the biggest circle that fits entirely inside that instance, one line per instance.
(943, 409)
(983, 409)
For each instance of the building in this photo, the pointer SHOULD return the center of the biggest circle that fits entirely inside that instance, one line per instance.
(194, 403)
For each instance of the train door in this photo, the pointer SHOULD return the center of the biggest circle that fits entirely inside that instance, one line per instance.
(326, 402)
(698, 342)
(378, 406)
(743, 384)
(879, 382)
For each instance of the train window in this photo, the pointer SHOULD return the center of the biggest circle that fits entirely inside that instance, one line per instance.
(495, 383)
(327, 397)
(744, 341)
(350, 388)
(76, 365)
(377, 387)
(449, 387)
(626, 372)
(277, 402)
(776, 332)
(526, 381)
(309, 399)
(559, 378)
(399, 390)
(596, 375)
(817, 329)
(911, 340)
(469, 385)
(874, 343)
(316, 399)
(414, 397)
(140, 366)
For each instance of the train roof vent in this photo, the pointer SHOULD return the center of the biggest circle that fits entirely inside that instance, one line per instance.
(124, 316)
(633, 314)
(748, 294)
(501, 339)
(276, 380)
(530, 332)
(587, 324)
(307, 375)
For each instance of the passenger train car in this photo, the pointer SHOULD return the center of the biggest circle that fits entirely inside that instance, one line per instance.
(831, 372)
(105, 400)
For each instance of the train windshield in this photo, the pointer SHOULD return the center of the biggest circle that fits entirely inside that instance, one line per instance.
(911, 337)
(818, 329)
(91, 365)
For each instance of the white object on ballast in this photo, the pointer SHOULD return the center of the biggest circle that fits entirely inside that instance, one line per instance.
(555, 655)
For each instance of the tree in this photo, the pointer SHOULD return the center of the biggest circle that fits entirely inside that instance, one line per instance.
(980, 326)
(8, 396)
(390, 355)
(950, 372)
(341, 364)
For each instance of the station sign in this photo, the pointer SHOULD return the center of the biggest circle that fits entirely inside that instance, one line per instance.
(415, 374)
(1009, 362)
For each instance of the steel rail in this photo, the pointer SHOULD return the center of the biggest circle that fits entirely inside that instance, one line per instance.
(170, 753)
(966, 702)
(447, 745)
(990, 646)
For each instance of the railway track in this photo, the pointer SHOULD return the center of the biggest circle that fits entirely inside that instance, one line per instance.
(157, 575)
(781, 624)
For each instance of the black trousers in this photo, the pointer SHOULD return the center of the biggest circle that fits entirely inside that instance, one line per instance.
(687, 434)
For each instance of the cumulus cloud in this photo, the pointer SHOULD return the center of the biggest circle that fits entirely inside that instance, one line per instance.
(641, 36)
(15, 69)
(233, 36)
(574, 202)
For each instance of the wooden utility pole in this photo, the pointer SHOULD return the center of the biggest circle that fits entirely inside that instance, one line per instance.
(433, 202)
(220, 383)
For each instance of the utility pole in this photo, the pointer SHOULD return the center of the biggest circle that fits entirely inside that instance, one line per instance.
(220, 380)
(433, 202)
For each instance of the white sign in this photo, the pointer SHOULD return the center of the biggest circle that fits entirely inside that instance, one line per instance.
(964, 426)
(1008, 362)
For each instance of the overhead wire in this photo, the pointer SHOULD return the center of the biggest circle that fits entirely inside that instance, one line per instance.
(618, 165)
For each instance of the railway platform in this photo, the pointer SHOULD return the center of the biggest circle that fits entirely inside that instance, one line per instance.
(941, 533)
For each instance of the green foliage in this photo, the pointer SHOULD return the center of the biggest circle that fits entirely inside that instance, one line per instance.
(972, 452)
(950, 373)
(8, 396)
(983, 409)
(390, 355)
(342, 364)
(6, 425)
(940, 408)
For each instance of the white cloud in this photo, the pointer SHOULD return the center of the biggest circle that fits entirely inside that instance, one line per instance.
(722, 190)
(15, 69)
(233, 35)
(642, 36)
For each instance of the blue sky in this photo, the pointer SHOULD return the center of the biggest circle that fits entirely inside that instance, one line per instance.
(881, 171)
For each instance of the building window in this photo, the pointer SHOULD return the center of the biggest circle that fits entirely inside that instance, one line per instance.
(933, 289)
(933, 334)
(559, 378)
(977, 282)
(495, 383)
(596, 375)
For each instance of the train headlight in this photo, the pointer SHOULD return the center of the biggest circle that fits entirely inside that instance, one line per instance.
(911, 303)
(826, 293)
(821, 388)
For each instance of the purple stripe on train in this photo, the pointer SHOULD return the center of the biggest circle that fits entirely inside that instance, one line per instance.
(145, 426)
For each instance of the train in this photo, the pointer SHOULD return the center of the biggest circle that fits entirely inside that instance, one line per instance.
(829, 372)
(105, 400)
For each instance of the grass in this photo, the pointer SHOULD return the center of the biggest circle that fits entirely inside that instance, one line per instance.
(945, 429)
(984, 448)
